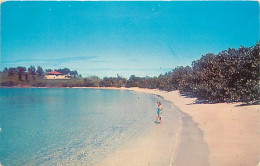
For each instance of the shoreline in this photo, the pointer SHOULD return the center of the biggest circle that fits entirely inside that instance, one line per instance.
(229, 130)
(163, 144)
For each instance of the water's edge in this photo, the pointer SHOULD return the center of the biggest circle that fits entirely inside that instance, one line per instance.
(192, 149)
(189, 147)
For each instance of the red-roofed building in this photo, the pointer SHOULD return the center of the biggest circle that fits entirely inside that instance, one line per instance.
(54, 75)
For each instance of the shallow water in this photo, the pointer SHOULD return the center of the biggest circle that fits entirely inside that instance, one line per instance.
(155, 146)
(68, 126)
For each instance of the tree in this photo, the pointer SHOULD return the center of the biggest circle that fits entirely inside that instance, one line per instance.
(74, 73)
(26, 76)
(48, 70)
(92, 81)
(39, 71)
(20, 72)
(88, 82)
(31, 70)
(133, 81)
(63, 71)
(11, 71)
(5, 70)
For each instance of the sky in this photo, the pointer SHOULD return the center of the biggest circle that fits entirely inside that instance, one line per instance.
(125, 38)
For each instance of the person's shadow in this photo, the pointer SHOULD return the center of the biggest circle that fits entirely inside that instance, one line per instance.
(156, 122)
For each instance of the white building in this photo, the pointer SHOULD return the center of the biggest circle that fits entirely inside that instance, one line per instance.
(54, 75)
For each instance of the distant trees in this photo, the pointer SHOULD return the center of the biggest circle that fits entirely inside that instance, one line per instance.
(74, 73)
(31, 74)
(133, 81)
(142, 82)
(5, 70)
(113, 82)
(20, 72)
(229, 76)
(31, 70)
(92, 81)
(48, 70)
(26, 77)
(39, 71)
(11, 71)
(63, 71)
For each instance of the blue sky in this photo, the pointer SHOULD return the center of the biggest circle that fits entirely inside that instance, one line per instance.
(125, 38)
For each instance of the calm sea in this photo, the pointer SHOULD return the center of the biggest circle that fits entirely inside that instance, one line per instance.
(69, 126)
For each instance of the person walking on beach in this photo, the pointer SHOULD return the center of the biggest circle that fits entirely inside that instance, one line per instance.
(159, 112)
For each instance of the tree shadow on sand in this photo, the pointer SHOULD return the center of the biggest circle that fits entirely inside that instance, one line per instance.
(248, 104)
(204, 101)
(201, 102)
(188, 95)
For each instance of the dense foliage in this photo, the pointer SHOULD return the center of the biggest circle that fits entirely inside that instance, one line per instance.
(113, 82)
(229, 76)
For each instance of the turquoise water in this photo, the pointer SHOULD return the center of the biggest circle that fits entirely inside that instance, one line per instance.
(69, 126)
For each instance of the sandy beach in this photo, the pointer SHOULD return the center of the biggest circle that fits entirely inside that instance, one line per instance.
(231, 133)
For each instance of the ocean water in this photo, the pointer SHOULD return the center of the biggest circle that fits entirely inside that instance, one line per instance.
(69, 126)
